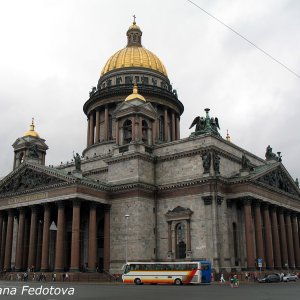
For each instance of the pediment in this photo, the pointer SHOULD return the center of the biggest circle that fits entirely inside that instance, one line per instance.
(28, 140)
(26, 178)
(124, 106)
(280, 179)
(178, 213)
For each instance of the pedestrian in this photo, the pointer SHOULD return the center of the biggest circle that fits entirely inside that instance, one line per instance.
(246, 276)
(235, 282)
(67, 277)
(255, 276)
(222, 278)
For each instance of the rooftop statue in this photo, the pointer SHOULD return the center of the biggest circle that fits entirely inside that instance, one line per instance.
(77, 160)
(93, 91)
(270, 155)
(33, 151)
(245, 162)
(205, 125)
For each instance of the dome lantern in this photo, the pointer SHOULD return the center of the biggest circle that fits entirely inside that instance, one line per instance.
(134, 35)
(31, 132)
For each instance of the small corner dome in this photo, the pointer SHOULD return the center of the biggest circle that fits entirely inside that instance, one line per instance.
(135, 95)
(31, 132)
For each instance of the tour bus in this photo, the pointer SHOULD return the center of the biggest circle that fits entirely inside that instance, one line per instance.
(177, 273)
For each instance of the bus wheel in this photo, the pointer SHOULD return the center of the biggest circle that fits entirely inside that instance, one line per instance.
(177, 281)
(137, 281)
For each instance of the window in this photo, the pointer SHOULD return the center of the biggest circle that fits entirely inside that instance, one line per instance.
(144, 131)
(161, 128)
(180, 241)
(127, 131)
(110, 137)
(21, 159)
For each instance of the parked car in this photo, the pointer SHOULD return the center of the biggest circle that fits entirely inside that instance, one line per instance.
(270, 278)
(289, 277)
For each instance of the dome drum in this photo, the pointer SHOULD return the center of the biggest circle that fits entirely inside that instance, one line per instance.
(152, 93)
(134, 75)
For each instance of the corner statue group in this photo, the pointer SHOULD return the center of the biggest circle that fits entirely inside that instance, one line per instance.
(205, 125)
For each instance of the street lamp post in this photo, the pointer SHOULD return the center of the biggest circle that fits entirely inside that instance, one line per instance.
(126, 236)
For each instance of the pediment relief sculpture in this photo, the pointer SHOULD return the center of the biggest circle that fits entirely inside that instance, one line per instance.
(27, 180)
(278, 179)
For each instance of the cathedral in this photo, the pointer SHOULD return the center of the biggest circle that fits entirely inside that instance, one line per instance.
(141, 192)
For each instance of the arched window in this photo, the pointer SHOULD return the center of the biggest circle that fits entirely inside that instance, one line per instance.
(127, 131)
(144, 131)
(21, 158)
(161, 129)
(180, 241)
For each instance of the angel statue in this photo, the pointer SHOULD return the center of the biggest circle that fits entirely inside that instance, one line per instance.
(205, 125)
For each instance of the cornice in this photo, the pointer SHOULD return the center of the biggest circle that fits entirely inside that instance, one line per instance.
(183, 184)
(130, 186)
(129, 156)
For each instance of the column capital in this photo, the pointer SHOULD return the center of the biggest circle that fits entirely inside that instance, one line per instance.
(92, 205)
(274, 207)
(60, 204)
(107, 208)
(76, 202)
(265, 205)
(34, 209)
(294, 214)
(247, 200)
(46, 205)
(21, 209)
(281, 210)
(207, 199)
(219, 199)
(11, 212)
(257, 203)
(287, 212)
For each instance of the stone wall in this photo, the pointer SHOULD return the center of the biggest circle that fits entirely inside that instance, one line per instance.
(140, 231)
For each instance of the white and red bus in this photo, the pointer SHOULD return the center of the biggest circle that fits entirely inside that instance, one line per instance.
(167, 272)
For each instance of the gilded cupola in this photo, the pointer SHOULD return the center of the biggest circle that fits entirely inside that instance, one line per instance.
(134, 55)
(31, 131)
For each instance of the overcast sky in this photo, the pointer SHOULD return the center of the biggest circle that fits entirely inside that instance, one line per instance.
(52, 53)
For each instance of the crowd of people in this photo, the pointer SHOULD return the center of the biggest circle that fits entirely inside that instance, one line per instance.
(33, 276)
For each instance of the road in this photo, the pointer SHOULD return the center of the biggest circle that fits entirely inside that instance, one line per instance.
(253, 291)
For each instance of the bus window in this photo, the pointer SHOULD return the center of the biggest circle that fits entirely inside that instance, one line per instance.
(127, 268)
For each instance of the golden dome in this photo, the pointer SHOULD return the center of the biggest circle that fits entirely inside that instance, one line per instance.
(135, 95)
(31, 131)
(134, 26)
(134, 55)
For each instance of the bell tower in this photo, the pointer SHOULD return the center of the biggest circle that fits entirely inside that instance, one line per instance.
(30, 148)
